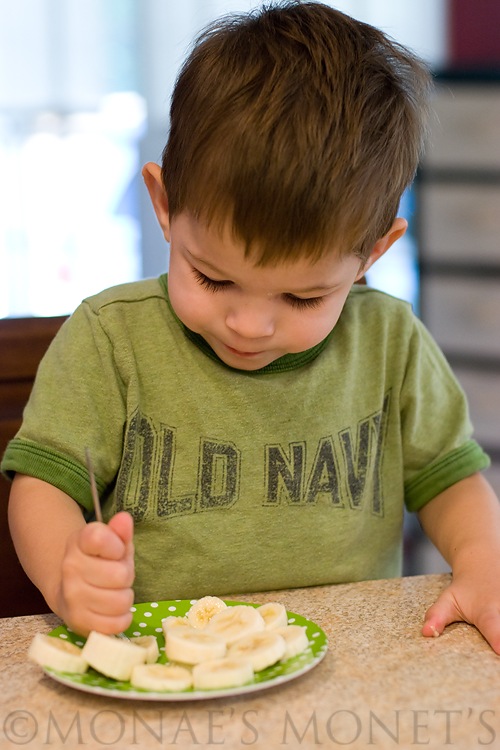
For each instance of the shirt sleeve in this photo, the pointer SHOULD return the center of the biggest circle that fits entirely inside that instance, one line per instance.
(77, 401)
(436, 427)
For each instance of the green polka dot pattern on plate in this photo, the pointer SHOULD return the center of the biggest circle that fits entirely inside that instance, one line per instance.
(147, 620)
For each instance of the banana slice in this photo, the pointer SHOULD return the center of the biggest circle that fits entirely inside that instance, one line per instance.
(261, 649)
(113, 657)
(274, 615)
(234, 623)
(150, 644)
(203, 610)
(222, 673)
(191, 646)
(173, 621)
(295, 640)
(56, 653)
(161, 677)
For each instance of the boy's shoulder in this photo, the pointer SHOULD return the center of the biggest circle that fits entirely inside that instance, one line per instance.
(129, 293)
(374, 315)
(364, 297)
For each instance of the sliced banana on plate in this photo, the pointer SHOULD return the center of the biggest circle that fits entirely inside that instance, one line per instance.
(222, 673)
(191, 646)
(233, 623)
(113, 657)
(174, 621)
(56, 653)
(161, 677)
(150, 644)
(295, 638)
(212, 646)
(202, 611)
(274, 615)
(261, 649)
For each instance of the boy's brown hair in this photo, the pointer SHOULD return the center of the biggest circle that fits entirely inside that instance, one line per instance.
(300, 127)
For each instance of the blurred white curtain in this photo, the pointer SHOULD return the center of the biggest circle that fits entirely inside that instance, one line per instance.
(84, 96)
(71, 117)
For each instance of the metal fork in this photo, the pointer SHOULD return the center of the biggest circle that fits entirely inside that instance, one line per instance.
(97, 505)
(93, 487)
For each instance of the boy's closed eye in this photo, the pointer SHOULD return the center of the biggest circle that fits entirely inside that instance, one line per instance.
(211, 284)
(214, 285)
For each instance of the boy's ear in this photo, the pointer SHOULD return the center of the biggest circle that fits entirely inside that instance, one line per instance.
(152, 177)
(397, 230)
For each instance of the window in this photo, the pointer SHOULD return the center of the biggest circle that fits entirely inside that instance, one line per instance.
(84, 90)
(70, 123)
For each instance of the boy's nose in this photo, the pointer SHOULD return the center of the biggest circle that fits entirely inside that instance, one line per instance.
(251, 321)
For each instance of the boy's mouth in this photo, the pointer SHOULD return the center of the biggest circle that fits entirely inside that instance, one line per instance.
(239, 353)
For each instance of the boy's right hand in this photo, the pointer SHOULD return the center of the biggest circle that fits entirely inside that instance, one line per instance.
(97, 575)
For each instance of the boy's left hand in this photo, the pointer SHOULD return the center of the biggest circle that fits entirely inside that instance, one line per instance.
(471, 597)
(463, 521)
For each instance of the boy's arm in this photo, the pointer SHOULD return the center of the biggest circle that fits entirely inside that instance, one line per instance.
(464, 524)
(85, 571)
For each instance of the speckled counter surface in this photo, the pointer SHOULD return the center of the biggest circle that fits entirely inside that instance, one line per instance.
(381, 685)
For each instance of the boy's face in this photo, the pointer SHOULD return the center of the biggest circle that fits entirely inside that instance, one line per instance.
(251, 315)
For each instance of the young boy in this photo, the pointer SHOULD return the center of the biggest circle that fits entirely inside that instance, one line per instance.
(255, 420)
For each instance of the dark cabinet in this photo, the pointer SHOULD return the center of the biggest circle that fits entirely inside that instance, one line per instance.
(23, 341)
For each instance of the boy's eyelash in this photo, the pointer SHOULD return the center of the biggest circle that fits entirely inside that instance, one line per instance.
(304, 302)
(216, 286)
(210, 284)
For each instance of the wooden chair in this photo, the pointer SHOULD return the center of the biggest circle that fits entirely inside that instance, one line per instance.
(23, 342)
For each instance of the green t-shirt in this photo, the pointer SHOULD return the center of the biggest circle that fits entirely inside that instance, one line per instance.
(293, 475)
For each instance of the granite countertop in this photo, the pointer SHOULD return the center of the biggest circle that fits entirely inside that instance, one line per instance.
(380, 685)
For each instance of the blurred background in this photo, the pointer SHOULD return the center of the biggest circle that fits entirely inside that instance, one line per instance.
(84, 96)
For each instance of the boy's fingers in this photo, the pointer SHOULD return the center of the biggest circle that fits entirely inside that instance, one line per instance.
(83, 622)
(442, 613)
(123, 525)
(445, 611)
(99, 540)
(112, 541)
